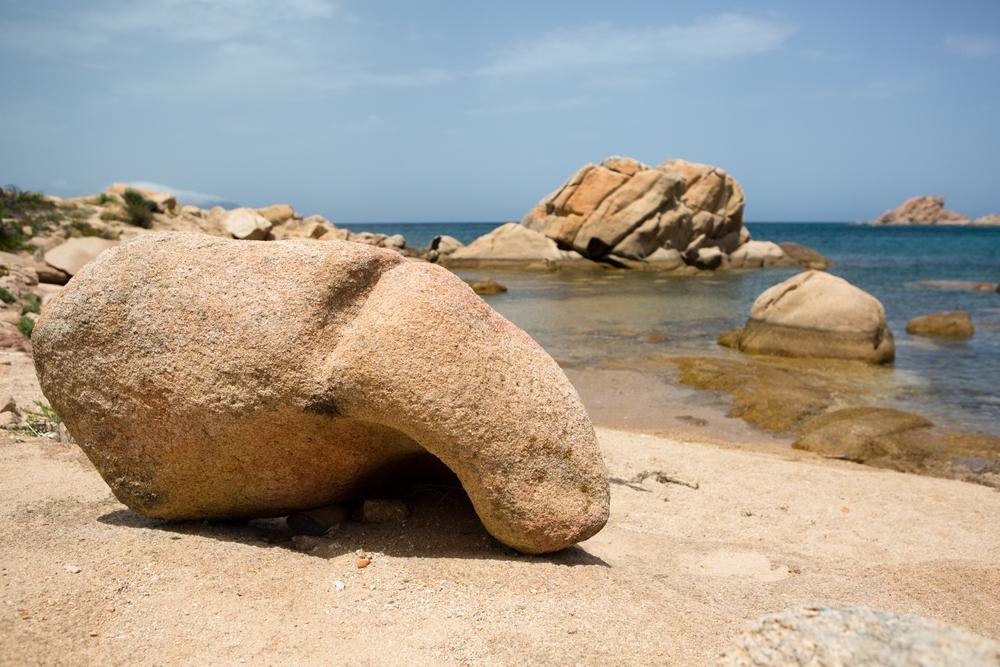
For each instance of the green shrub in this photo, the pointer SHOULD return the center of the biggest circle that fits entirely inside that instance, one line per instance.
(31, 304)
(103, 199)
(138, 208)
(6, 296)
(43, 420)
(26, 325)
(84, 228)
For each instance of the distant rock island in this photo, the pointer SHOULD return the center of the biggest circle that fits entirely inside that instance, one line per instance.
(930, 210)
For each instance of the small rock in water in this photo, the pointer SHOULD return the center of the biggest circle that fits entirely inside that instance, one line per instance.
(73, 569)
(488, 287)
(382, 511)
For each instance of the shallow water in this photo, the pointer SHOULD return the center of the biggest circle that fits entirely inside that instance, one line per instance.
(629, 319)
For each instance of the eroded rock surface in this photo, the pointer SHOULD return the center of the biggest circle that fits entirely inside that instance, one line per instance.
(213, 378)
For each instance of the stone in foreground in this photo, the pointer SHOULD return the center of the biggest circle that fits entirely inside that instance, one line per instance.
(815, 314)
(211, 378)
(821, 635)
(949, 324)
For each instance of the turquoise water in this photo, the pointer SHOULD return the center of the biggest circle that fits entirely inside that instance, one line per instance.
(619, 315)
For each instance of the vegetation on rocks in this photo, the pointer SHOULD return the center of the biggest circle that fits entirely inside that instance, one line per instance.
(26, 326)
(23, 214)
(138, 209)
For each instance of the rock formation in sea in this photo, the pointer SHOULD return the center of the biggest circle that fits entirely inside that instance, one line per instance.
(214, 378)
(625, 208)
(816, 314)
(922, 210)
(674, 214)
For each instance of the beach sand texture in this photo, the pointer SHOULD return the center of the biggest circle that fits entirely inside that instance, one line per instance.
(672, 579)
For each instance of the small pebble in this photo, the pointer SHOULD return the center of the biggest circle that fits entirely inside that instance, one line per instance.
(73, 569)
(339, 585)
(364, 562)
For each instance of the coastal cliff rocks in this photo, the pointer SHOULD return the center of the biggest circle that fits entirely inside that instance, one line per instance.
(625, 208)
(949, 324)
(815, 314)
(842, 635)
(922, 210)
(196, 398)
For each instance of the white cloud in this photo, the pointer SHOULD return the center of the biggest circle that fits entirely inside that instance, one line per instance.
(711, 38)
(973, 46)
(183, 196)
(92, 28)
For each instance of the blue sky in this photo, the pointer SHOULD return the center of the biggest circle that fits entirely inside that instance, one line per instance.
(467, 111)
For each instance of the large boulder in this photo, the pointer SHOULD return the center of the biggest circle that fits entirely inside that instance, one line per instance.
(208, 378)
(828, 635)
(922, 210)
(75, 253)
(948, 324)
(815, 314)
(629, 209)
(509, 243)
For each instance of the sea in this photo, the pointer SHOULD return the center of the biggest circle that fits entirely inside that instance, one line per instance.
(626, 317)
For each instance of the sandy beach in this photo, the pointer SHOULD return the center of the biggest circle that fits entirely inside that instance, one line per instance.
(672, 579)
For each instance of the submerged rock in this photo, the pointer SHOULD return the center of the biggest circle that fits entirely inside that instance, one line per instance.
(805, 256)
(209, 378)
(815, 314)
(822, 635)
(922, 210)
(889, 438)
(948, 324)
(487, 287)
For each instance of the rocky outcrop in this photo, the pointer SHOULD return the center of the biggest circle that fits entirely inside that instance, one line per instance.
(196, 397)
(949, 324)
(820, 635)
(922, 210)
(988, 220)
(625, 208)
(815, 314)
